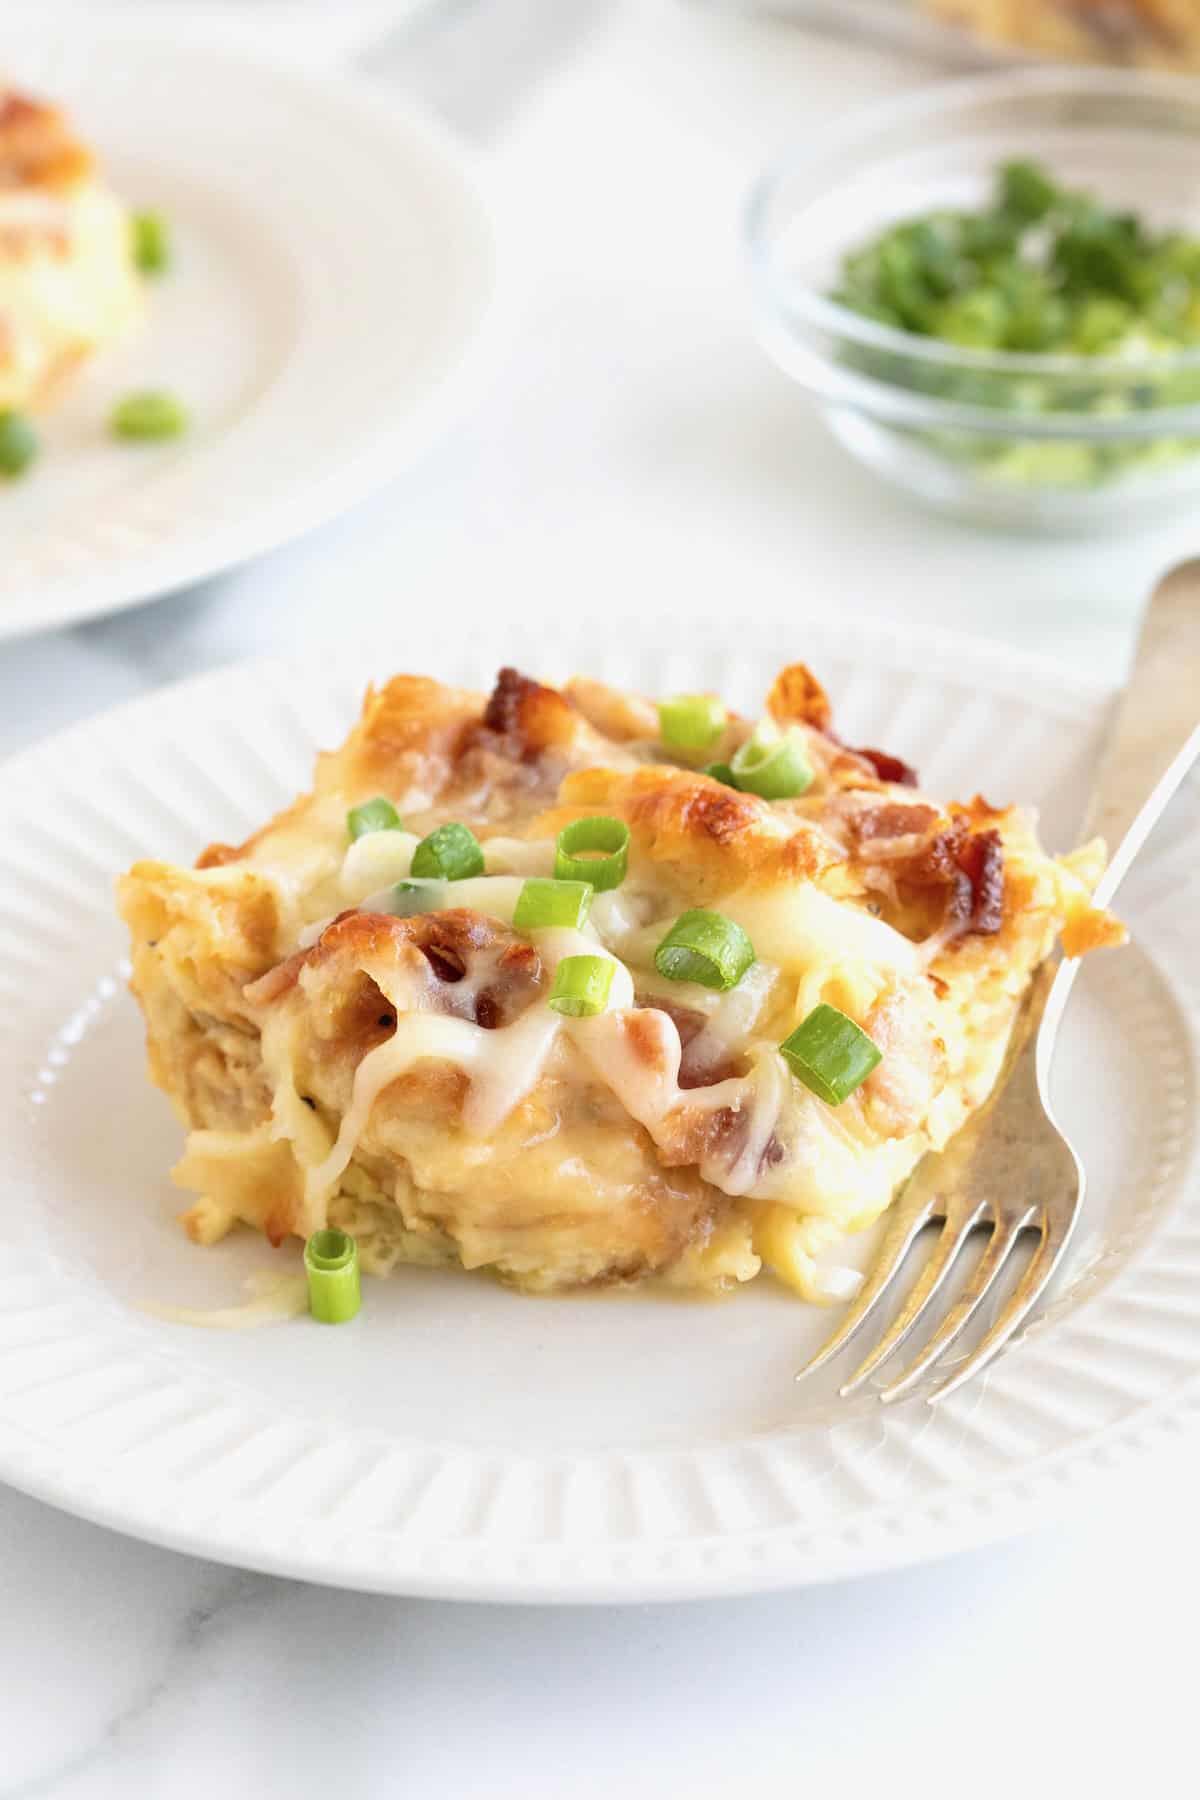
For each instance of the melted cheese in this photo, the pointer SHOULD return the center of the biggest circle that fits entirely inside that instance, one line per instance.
(799, 927)
(376, 860)
(272, 1298)
(517, 856)
(645, 1079)
(503, 1067)
(787, 1147)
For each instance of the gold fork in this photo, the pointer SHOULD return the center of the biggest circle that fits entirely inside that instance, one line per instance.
(1011, 1168)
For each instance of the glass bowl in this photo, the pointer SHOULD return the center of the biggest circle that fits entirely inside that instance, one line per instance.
(1056, 441)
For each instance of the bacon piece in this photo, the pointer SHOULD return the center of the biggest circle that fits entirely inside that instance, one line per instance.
(982, 861)
(889, 768)
(797, 698)
(531, 716)
(967, 865)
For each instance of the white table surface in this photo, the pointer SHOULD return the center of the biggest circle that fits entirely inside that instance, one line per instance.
(631, 442)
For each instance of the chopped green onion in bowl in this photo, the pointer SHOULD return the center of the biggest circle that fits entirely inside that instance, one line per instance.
(148, 416)
(18, 443)
(1040, 269)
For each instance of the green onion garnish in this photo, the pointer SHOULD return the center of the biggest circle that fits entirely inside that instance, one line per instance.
(705, 947)
(373, 815)
(18, 443)
(831, 1054)
(147, 416)
(543, 903)
(774, 769)
(592, 850)
(720, 772)
(581, 985)
(451, 853)
(151, 243)
(690, 721)
(331, 1264)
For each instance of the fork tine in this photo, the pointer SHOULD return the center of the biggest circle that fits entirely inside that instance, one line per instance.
(904, 1224)
(955, 1231)
(961, 1313)
(1024, 1298)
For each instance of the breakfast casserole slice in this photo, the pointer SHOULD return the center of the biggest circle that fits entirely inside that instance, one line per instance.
(1162, 32)
(583, 989)
(68, 281)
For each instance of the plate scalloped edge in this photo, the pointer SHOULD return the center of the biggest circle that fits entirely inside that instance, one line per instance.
(878, 1490)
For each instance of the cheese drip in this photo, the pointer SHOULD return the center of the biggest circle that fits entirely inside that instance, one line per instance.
(644, 1076)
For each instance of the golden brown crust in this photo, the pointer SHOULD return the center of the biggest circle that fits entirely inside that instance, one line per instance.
(280, 1019)
(796, 697)
(1138, 31)
(711, 837)
(443, 752)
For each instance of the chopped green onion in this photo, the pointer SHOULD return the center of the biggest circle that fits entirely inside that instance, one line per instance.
(774, 769)
(373, 815)
(543, 903)
(331, 1264)
(151, 243)
(1025, 190)
(18, 442)
(690, 721)
(451, 852)
(705, 947)
(147, 416)
(592, 850)
(720, 772)
(831, 1054)
(581, 985)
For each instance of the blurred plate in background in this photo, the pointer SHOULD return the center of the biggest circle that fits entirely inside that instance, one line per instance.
(334, 264)
(1149, 33)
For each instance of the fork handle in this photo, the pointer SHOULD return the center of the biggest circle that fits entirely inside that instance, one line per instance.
(1155, 741)
(1156, 737)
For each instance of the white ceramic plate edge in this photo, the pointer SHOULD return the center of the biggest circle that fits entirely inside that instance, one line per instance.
(885, 1536)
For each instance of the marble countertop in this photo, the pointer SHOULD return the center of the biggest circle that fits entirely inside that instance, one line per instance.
(633, 441)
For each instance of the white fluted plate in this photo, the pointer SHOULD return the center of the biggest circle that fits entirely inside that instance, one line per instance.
(461, 1440)
(332, 275)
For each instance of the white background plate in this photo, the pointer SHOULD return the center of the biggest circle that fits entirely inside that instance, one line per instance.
(460, 1440)
(333, 266)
